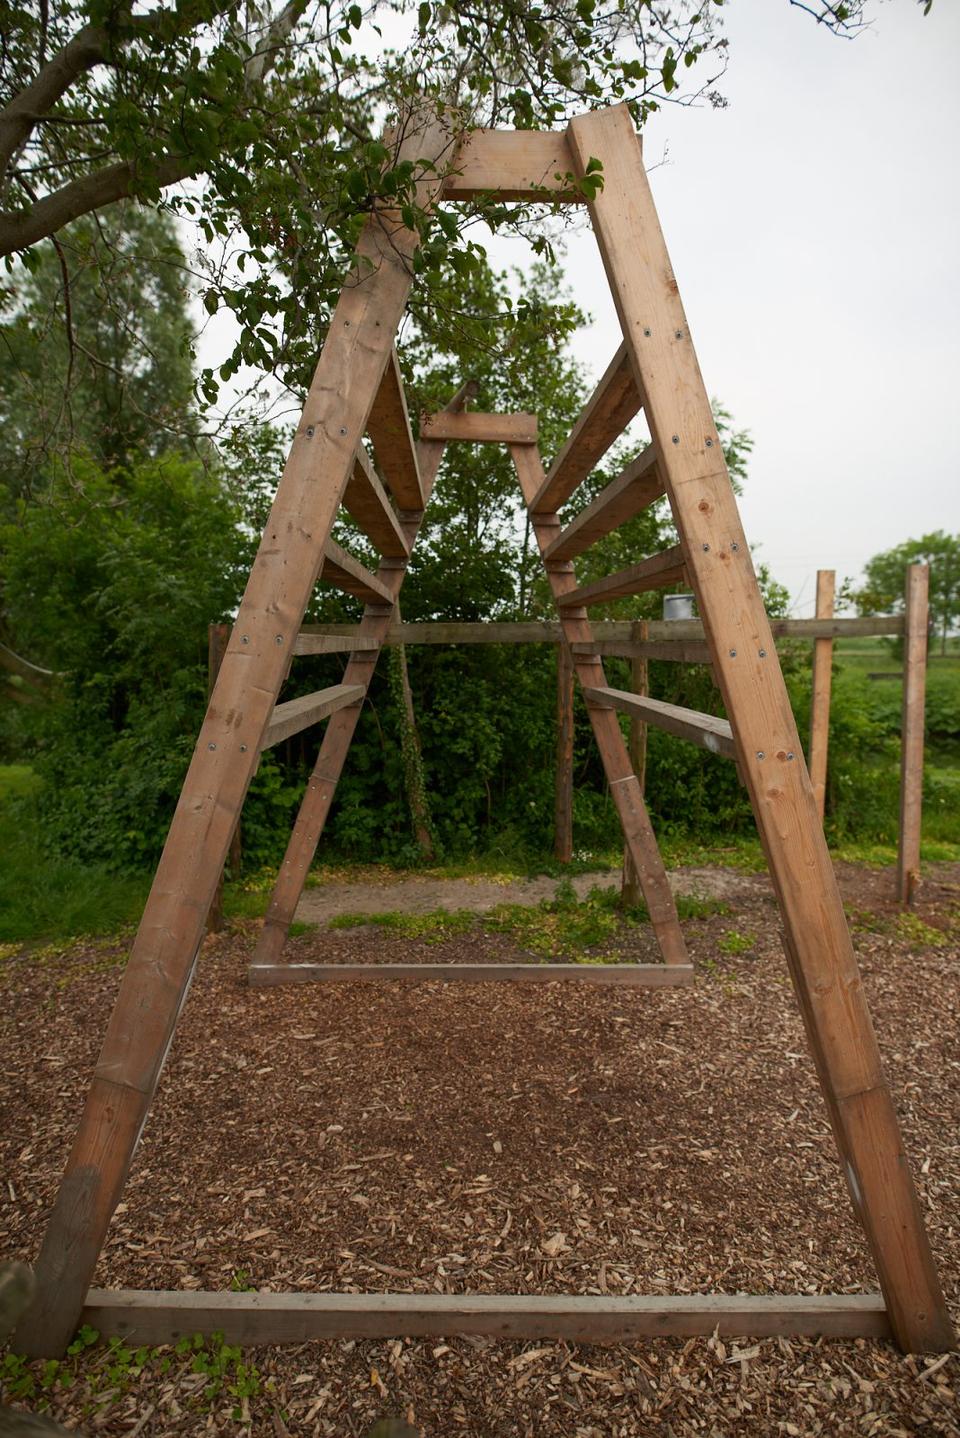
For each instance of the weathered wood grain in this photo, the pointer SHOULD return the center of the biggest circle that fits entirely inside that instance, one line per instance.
(477, 428)
(513, 165)
(606, 415)
(636, 976)
(344, 572)
(389, 429)
(657, 572)
(298, 714)
(367, 502)
(705, 730)
(636, 488)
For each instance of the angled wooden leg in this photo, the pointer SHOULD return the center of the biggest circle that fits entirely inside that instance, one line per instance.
(335, 746)
(563, 805)
(624, 786)
(158, 974)
(822, 963)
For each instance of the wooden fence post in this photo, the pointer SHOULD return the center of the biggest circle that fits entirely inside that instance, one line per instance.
(563, 811)
(911, 735)
(820, 692)
(630, 895)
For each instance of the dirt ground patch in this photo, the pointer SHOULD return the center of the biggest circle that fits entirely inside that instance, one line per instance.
(500, 1138)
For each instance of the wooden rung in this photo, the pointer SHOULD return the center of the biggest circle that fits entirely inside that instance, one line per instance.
(261, 1318)
(703, 729)
(622, 975)
(389, 429)
(513, 165)
(672, 651)
(477, 428)
(297, 714)
(608, 411)
(344, 572)
(638, 486)
(306, 643)
(366, 500)
(656, 572)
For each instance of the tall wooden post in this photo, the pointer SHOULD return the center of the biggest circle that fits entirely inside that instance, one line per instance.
(630, 892)
(820, 692)
(915, 632)
(358, 347)
(822, 962)
(563, 809)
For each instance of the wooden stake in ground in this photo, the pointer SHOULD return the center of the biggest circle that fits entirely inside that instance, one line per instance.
(411, 753)
(563, 809)
(355, 355)
(820, 692)
(917, 621)
(822, 963)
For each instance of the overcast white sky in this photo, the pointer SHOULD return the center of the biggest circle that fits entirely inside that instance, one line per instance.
(813, 227)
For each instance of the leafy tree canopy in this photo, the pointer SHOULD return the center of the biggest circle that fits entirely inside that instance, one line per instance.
(885, 577)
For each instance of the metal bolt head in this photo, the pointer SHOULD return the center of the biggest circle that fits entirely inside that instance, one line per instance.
(211, 746)
(789, 757)
(646, 332)
(279, 639)
(709, 444)
(342, 430)
(310, 430)
(734, 547)
(733, 654)
(762, 653)
(244, 638)
(678, 334)
(243, 748)
(705, 548)
(676, 439)
(761, 754)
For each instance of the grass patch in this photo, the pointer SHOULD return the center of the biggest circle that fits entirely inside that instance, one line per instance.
(735, 942)
(434, 927)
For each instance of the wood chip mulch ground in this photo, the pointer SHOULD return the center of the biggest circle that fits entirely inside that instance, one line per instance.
(502, 1138)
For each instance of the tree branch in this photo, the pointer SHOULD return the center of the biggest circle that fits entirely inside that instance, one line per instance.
(79, 197)
(17, 119)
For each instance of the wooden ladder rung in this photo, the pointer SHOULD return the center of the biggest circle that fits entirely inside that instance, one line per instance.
(307, 643)
(393, 443)
(477, 428)
(657, 572)
(636, 487)
(606, 415)
(703, 729)
(297, 714)
(344, 572)
(366, 501)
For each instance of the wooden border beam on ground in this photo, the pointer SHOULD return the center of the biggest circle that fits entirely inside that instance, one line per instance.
(636, 488)
(657, 572)
(392, 439)
(705, 730)
(297, 714)
(249, 1319)
(631, 976)
(611, 407)
(473, 427)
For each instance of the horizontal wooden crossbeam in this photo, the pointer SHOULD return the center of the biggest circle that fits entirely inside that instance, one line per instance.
(333, 644)
(643, 976)
(477, 428)
(703, 729)
(681, 651)
(638, 486)
(657, 572)
(248, 1319)
(393, 443)
(513, 165)
(366, 501)
(296, 714)
(344, 572)
(606, 415)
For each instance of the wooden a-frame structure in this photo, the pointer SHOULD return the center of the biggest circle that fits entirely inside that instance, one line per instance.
(356, 391)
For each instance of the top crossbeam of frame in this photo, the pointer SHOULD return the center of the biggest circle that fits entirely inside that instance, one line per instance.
(514, 165)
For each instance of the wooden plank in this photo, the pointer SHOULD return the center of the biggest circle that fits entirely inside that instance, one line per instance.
(366, 501)
(157, 976)
(322, 785)
(218, 637)
(563, 797)
(636, 488)
(624, 789)
(477, 428)
(297, 714)
(249, 1319)
(820, 682)
(643, 976)
(911, 732)
(606, 415)
(630, 892)
(389, 429)
(533, 631)
(513, 165)
(657, 572)
(822, 962)
(333, 644)
(680, 652)
(705, 730)
(344, 572)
